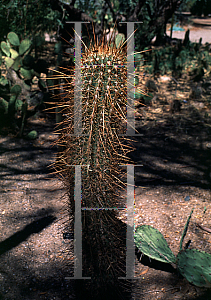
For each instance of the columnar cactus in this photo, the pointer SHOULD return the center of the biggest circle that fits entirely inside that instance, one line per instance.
(100, 149)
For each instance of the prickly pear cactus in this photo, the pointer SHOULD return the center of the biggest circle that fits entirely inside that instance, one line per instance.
(195, 266)
(153, 244)
(100, 150)
(21, 69)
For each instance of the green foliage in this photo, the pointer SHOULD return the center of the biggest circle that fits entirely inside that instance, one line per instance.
(5, 48)
(27, 74)
(24, 46)
(177, 59)
(193, 264)
(15, 90)
(201, 7)
(28, 62)
(9, 62)
(151, 242)
(187, 5)
(26, 18)
(14, 53)
(3, 107)
(18, 79)
(93, 8)
(13, 39)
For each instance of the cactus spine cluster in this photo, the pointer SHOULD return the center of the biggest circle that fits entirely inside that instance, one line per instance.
(100, 149)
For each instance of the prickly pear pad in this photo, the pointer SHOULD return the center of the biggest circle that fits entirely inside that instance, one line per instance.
(195, 266)
(152, 243)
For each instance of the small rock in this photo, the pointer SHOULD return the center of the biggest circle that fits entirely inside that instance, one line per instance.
(68, 236)
(187, 198)
(165, 78)
(208, 145)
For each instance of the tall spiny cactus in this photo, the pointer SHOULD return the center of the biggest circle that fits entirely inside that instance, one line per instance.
(101, 150)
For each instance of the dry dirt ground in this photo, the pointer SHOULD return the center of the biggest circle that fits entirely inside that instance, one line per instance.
(174, 151)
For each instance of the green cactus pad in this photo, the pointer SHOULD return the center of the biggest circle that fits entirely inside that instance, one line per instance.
(24, 46)
(9, 62)
(18, 104)
(152, 243)
(16, 89)
(195, 266)
(17, 64)
(14, 53)
(185, 229)
(13, 39)
(5, 48)
(27, 74)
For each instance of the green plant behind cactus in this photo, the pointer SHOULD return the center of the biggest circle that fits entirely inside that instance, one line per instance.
(21, 69)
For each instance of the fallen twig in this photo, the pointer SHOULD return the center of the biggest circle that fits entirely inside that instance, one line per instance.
(203, 228)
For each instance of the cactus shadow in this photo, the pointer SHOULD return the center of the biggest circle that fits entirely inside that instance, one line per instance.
(155, 264)
(205, 296)
(166, 155)
(22, 235)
